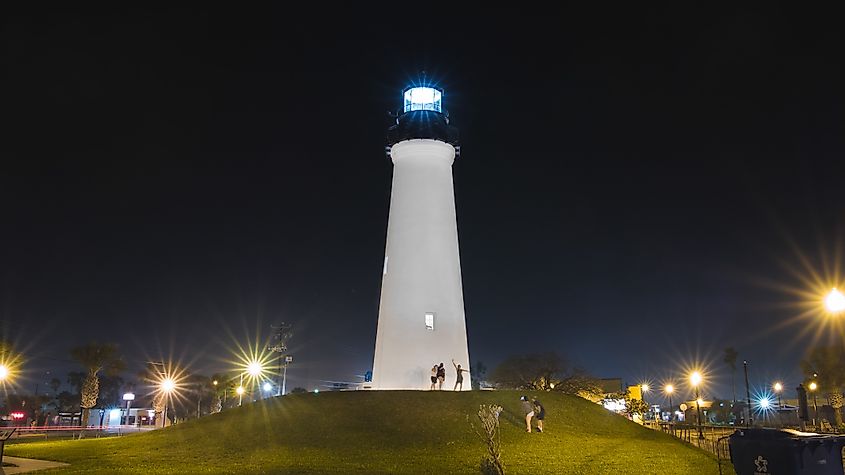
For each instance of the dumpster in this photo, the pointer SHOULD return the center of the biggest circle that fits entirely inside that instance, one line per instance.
(785, 452)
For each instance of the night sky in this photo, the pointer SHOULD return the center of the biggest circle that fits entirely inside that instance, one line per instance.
(637, 189)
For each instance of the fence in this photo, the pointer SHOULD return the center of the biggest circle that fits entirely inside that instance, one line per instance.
(713, 439)
(47, 432)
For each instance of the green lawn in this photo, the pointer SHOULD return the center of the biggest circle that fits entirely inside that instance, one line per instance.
(383, 432)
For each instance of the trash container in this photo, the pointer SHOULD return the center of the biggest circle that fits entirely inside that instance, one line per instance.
(785, 451)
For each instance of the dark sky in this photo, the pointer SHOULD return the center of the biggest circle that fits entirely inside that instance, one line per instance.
(175, 180)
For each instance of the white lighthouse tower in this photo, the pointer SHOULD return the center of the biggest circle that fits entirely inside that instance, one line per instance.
(421, 314)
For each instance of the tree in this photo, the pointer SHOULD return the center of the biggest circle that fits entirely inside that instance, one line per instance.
(826, 366)
(55, 384)
(542, 372)
(633, 406)
(478, 373)
(730, 359)
(95, 358)
(488, 416)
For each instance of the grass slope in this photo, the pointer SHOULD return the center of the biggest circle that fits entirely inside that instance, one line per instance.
(382, 432)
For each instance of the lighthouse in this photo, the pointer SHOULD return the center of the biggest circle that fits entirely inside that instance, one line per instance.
(421, 312)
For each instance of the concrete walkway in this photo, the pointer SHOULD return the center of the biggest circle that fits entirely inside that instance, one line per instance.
(27, 465)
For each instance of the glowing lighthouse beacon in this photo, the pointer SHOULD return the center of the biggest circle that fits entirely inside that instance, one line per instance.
(421, 314)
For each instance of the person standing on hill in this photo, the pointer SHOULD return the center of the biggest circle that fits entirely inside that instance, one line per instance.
(441, 376)
(433, 377)
(528, 411)
(539, 414)
(459, 381)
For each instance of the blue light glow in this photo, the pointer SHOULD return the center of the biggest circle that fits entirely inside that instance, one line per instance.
(423, 99)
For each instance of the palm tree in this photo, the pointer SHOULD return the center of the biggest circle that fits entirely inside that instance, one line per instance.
(95, 357)
(730, 359)
(827, 365)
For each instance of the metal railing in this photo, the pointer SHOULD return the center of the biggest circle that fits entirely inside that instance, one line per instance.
(47, 432)
(712, 439)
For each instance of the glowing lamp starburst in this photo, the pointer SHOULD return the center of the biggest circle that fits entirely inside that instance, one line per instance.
(240, 390)
(669, 389)
(254, 368)
(835, 301)
(168, 385)
(695, 378)
(4, 372)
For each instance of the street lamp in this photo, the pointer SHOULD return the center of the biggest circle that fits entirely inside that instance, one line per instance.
(669, 389)
(254, 368)
(4, 373)
(167, 387)
(240, 391)
(778, 387)
(695, 380)
(128, 397)
(835, 301)
(813, 386)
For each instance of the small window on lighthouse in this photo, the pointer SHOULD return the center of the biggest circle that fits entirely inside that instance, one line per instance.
(429, 321)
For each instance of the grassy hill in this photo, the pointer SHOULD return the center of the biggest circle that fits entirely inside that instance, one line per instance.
(383, 432)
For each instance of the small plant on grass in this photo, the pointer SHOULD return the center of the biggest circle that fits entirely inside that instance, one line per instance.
(488, 415)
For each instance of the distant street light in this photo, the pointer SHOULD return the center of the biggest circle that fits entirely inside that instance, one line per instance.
(778, 387)
(669, 389)
(268, 387)
(240, 391)
(167, 387)
(813, 386)
(835, 301)
(695, 380)
(644, 389)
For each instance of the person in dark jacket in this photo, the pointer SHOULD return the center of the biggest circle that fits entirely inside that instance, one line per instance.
(441, 376)
(539, 414)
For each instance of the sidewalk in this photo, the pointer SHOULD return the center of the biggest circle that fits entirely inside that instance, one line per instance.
(27, 465)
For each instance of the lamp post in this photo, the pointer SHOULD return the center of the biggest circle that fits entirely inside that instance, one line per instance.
(669, 389)
(813, 386)
(750, 420)
(254, 369)
(695, 380)
(167, 387)
(128, 397)
(288, 359)
(644, 387)
(240, 391)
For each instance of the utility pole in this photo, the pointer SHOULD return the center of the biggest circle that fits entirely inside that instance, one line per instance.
(747, 394)
(283, 332)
